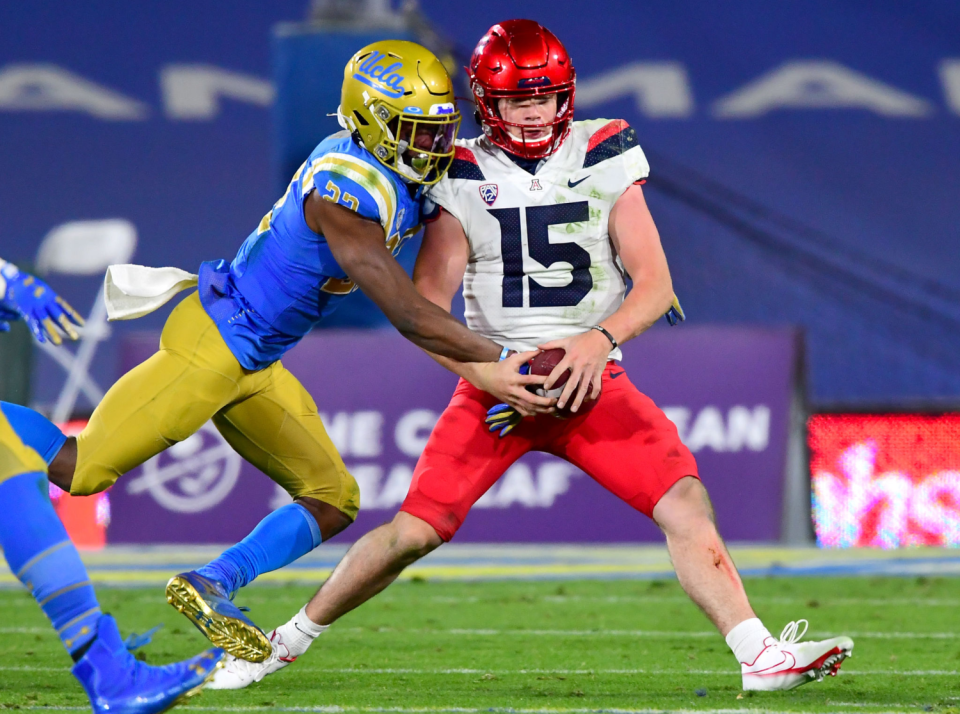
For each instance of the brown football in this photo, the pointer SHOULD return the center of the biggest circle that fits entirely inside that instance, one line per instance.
(543, 364)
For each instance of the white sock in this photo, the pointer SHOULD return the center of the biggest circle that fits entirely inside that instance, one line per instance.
(746, 639)
(300, 632)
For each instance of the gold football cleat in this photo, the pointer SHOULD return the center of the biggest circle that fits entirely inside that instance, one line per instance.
(208, 606)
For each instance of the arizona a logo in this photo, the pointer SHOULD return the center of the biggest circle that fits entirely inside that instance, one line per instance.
(535, 185)
(488, 192)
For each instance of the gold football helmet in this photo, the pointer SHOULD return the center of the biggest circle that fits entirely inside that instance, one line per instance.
(397, 98)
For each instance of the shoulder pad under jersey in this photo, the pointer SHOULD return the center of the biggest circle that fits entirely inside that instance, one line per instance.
(610, 140)
(464, 166)
(355, 182)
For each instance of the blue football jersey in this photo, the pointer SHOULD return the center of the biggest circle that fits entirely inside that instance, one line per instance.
(285, 280)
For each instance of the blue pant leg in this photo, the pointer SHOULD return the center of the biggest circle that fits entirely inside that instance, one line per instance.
(40, 554)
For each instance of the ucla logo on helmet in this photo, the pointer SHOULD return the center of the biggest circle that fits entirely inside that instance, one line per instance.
(382, 77)
(445, 108)
(488, 192)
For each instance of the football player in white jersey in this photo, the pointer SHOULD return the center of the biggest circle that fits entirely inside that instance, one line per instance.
(539, 218)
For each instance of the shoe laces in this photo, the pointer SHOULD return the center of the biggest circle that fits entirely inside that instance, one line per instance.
(790, 633)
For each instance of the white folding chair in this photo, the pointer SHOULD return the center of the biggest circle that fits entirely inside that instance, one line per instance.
(84, 248)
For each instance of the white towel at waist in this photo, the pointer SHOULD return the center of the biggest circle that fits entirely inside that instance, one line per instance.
(132, 291)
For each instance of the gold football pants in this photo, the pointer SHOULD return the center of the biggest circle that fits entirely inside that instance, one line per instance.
(16, 457)
(266, 416)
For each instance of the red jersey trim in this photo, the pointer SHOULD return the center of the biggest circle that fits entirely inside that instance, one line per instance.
(463, 154)
(606, 131)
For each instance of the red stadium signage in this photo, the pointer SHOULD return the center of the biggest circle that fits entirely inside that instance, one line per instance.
(885, 480)
(85, 517)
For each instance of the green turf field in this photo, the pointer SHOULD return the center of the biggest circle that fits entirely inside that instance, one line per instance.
(574, 646)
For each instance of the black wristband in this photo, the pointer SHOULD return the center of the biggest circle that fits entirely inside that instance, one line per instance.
(607, 335)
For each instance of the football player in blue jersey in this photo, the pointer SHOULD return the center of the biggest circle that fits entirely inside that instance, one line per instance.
(343, 218)
(39, 552)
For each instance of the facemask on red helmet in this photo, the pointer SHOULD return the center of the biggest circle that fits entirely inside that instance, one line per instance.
(521, 60)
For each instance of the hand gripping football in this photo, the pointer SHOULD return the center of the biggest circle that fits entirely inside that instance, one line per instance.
(543, 364)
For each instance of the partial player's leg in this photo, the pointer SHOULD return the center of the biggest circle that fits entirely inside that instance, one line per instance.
(38, 551)
(156, 404)
(630, 447)
(461, 461)
(708, 575)
(278, 430)
(704, 567)
(160, 402)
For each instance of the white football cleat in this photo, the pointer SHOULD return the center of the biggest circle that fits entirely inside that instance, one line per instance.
(239, 673)
(786, 663)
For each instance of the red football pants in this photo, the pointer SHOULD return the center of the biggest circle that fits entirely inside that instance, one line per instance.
(625, 443)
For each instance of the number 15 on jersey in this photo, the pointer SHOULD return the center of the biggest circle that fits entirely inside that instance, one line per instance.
(538, 221)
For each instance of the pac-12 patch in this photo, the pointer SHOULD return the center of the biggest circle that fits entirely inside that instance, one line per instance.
(488, 192)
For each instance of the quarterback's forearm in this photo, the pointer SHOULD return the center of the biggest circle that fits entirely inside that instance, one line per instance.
(636, 240)
(642, 307)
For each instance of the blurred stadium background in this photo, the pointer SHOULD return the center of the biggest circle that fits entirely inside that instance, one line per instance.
(805, 180)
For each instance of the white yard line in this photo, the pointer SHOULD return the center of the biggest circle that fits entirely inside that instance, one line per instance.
(334, 709)
(257, 598)
(554, 672)
(26, 630)
(652, 634)
(28, 668)
(674, 634)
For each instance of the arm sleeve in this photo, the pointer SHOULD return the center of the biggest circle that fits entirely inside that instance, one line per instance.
(337, 187)
(630, 165)
(614, 150)
(635, 166)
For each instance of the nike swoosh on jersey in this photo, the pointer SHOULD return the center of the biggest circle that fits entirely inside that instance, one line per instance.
(571, 184)
(614, 375)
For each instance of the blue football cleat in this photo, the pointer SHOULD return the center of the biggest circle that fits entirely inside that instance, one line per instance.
(208, 606)
(117, 683)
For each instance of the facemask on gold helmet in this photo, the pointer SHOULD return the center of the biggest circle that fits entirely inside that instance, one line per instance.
(398, 100)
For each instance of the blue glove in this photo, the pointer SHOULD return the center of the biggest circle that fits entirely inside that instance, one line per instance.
(45, 312)
(675, 314)
(6, 317)
(503, 417)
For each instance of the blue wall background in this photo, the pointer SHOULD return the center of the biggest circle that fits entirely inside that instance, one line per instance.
(841, 220)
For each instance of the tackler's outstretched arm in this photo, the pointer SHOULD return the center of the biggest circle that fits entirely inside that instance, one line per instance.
(358, 246)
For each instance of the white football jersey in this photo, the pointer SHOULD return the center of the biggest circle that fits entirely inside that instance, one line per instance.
(541, 264)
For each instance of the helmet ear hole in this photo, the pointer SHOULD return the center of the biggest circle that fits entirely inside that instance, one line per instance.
(360, 119)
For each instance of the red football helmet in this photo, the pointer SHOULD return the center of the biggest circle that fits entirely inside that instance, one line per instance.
(520, 59)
